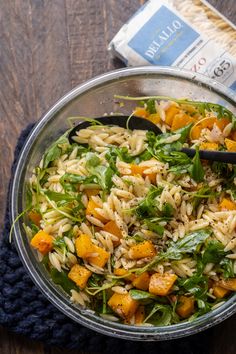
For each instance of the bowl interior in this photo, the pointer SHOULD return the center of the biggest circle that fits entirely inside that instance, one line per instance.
(93, 99)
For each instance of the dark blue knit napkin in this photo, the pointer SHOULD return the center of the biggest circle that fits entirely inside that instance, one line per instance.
(24, 310)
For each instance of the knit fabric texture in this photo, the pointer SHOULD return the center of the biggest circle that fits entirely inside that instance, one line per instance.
(24, 310)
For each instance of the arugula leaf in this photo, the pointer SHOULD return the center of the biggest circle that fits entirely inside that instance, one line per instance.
(61, 278)
(29, 195)
(151, 106)
(55, 150)
(70, 181)
(160, 315)
(196, 285)
(159, 229)
(167, 210)
(103, 174)
(203, 193)
(57, 197)
(197, 171)
(184, 132)
(141, 295)
(147, 206)
(191, 243)
(227, 267)
(214, 252)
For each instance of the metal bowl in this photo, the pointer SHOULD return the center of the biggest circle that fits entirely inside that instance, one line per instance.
(94, 98)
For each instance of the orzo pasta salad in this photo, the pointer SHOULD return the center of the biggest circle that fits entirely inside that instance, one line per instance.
(131, 227)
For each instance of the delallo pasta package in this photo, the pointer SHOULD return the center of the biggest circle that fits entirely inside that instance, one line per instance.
(189, 34)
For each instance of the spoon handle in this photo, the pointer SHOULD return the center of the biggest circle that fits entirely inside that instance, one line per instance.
(221, 156)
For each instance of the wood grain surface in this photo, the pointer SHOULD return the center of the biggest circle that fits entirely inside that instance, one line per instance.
(46, 48)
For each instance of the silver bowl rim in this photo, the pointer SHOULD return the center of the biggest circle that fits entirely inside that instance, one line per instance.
(86, 317)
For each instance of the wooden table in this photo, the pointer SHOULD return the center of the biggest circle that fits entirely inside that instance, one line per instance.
(46, 48)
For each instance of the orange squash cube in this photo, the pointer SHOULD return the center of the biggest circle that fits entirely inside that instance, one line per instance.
(209, 146)
(84, 246)
(35, 217)
(141, 250)
(141, 112)
(154, 118)
(90, 210)
(43, 242)
(142, 281)
(161, 284)
(170, 114)
(91, 192)
(220, 292)
(79, 275)
(227, 204)
(229, 284)
(185, 306)
(113, 229)
(230, 145)
(101, 259)
(123, 305)
(181, 120)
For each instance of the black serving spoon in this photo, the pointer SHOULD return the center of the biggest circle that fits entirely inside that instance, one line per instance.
(139, 123)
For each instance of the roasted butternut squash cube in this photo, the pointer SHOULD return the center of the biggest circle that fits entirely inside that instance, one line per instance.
(137, 170)
(227, 204)
(151, 176)
(113, 229)
(90, 210)
(141, 112)
(100, 259)
(122, 271)
(161, 284)
(170, 113)
(79, 275)
(141, 250)
(154, 118)
(209, 146)
(229, 284)
(35, 217)
(42, 241)
(84, 246)
(230, 145)
(140, 315)
(123, 305)
(142, 281)
(220, 292)
(185, 306)
(91, 192)
(181, 120)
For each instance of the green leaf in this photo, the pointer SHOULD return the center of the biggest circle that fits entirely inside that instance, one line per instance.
(227, 267)
(167, 210)
(61, 278)
(141, 295)
(57, 197)
(184, 132)
(160, 315)
(103, 174)
(159, 229)
(188, 244)
(197, 171)
(29, 195)
(151, 106)
(196, 285)
(213, 253)
(147, 206)
(54, 150)
(70, 181)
